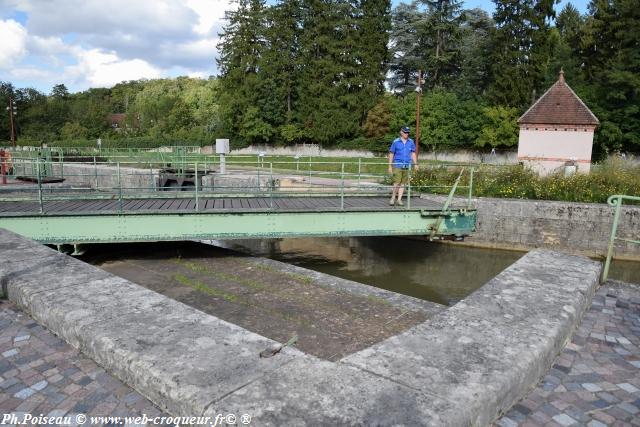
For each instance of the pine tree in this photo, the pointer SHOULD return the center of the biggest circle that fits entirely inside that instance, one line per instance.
(521, 50)
(405, 48)
(241, 48)
(612, 66)
(475, 48)
(440, 36)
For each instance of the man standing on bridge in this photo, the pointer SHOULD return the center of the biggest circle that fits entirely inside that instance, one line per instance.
(402, 154)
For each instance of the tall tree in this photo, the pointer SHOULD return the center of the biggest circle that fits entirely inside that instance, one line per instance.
(441, 34)
(405, 47)
(475, 49)
(567, 53)
(612, 65)
(241, 47)
(522, 51)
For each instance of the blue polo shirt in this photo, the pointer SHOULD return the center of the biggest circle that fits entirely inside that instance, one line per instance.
(402, 152)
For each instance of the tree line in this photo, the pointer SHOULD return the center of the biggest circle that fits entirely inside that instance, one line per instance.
(344, 72)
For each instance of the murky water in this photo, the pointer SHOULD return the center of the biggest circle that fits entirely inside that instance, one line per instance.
(442, 273)
(436, 272)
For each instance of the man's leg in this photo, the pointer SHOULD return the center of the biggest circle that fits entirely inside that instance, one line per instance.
(393, 193)
(396, 184)
(404, 178)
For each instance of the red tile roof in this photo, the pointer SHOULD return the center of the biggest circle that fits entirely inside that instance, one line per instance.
(559, 105)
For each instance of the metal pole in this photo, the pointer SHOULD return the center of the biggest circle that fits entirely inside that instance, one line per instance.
(409, 190)
(13, 130)
(40, 188)
(359, 171)
(418, 97)
(342, 188)
(197, 206)
(271, 185)
(95, 171)
(470, 187)
(617, 202)
(119, 187)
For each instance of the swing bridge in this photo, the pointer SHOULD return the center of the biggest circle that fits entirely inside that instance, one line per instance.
(125, 196)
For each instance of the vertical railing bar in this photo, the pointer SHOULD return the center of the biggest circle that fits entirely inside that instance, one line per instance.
(119, 188)
(95, 171)
(271, 185)
(409, 190)
(614, 229)
(470, 187)
(40, 188)
(197, 185)
(342, 188)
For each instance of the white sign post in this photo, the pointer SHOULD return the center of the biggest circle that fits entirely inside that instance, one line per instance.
(222, 148)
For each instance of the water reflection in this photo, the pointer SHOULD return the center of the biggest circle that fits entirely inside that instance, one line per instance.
(436, 272)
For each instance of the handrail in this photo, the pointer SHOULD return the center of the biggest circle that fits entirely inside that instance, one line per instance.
(124, 180)
(616, 201)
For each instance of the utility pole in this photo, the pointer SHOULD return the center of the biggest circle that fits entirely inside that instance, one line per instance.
(12, 112)
(418, 96)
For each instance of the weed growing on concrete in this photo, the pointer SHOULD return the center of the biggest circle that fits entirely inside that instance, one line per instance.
(223, 276)
(201, 287)
(296, 277)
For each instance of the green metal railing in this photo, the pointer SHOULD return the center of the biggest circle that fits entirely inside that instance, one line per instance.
(98, 180)
(616, 201)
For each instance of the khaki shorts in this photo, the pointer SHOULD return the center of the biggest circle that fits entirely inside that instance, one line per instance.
(400, 176)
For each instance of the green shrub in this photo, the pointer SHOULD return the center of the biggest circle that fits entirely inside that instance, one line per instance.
(612, 177)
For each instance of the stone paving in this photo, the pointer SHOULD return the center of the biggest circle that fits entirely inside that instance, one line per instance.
(596, 379)
(42, 375)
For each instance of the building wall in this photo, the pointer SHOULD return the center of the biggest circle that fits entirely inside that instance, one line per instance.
(546, 148)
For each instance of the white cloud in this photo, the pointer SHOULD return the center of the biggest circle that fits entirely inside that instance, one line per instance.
(86, 43)
(14, 43)
(100, 69)
(210, 14)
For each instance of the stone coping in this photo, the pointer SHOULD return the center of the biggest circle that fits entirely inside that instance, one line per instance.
(464, 366)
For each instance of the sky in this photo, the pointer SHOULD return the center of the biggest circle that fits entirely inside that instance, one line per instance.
(98, 43)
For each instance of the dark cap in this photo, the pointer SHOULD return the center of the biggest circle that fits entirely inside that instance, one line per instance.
(405, 129)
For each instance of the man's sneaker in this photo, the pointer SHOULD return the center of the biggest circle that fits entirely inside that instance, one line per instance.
(391, 202)
(399, 203)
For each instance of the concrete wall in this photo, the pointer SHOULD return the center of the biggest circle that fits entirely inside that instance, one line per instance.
(458, 156)
(106, 177)
(462, 367)
(582, 228)
(545, 149)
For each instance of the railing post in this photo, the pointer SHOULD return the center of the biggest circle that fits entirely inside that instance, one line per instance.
(40, 188)
(119, 188)
(359, 170)
(617, 202)
(409, 190)
(95, 171)
(342, 188)
(259, 185)
(197, 206)
(470, 187)
(271, 185)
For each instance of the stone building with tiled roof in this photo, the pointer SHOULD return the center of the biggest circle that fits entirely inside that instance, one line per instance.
(557, 131)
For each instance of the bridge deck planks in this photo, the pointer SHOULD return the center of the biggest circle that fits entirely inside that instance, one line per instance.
(302, 204)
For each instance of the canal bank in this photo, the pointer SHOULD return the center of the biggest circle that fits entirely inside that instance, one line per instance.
(462, 366)
(578, 228)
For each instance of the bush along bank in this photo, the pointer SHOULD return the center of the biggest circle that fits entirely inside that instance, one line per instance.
(614, 176)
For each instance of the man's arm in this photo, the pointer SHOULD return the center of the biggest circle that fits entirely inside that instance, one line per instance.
(414, 159)
(390, 156)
